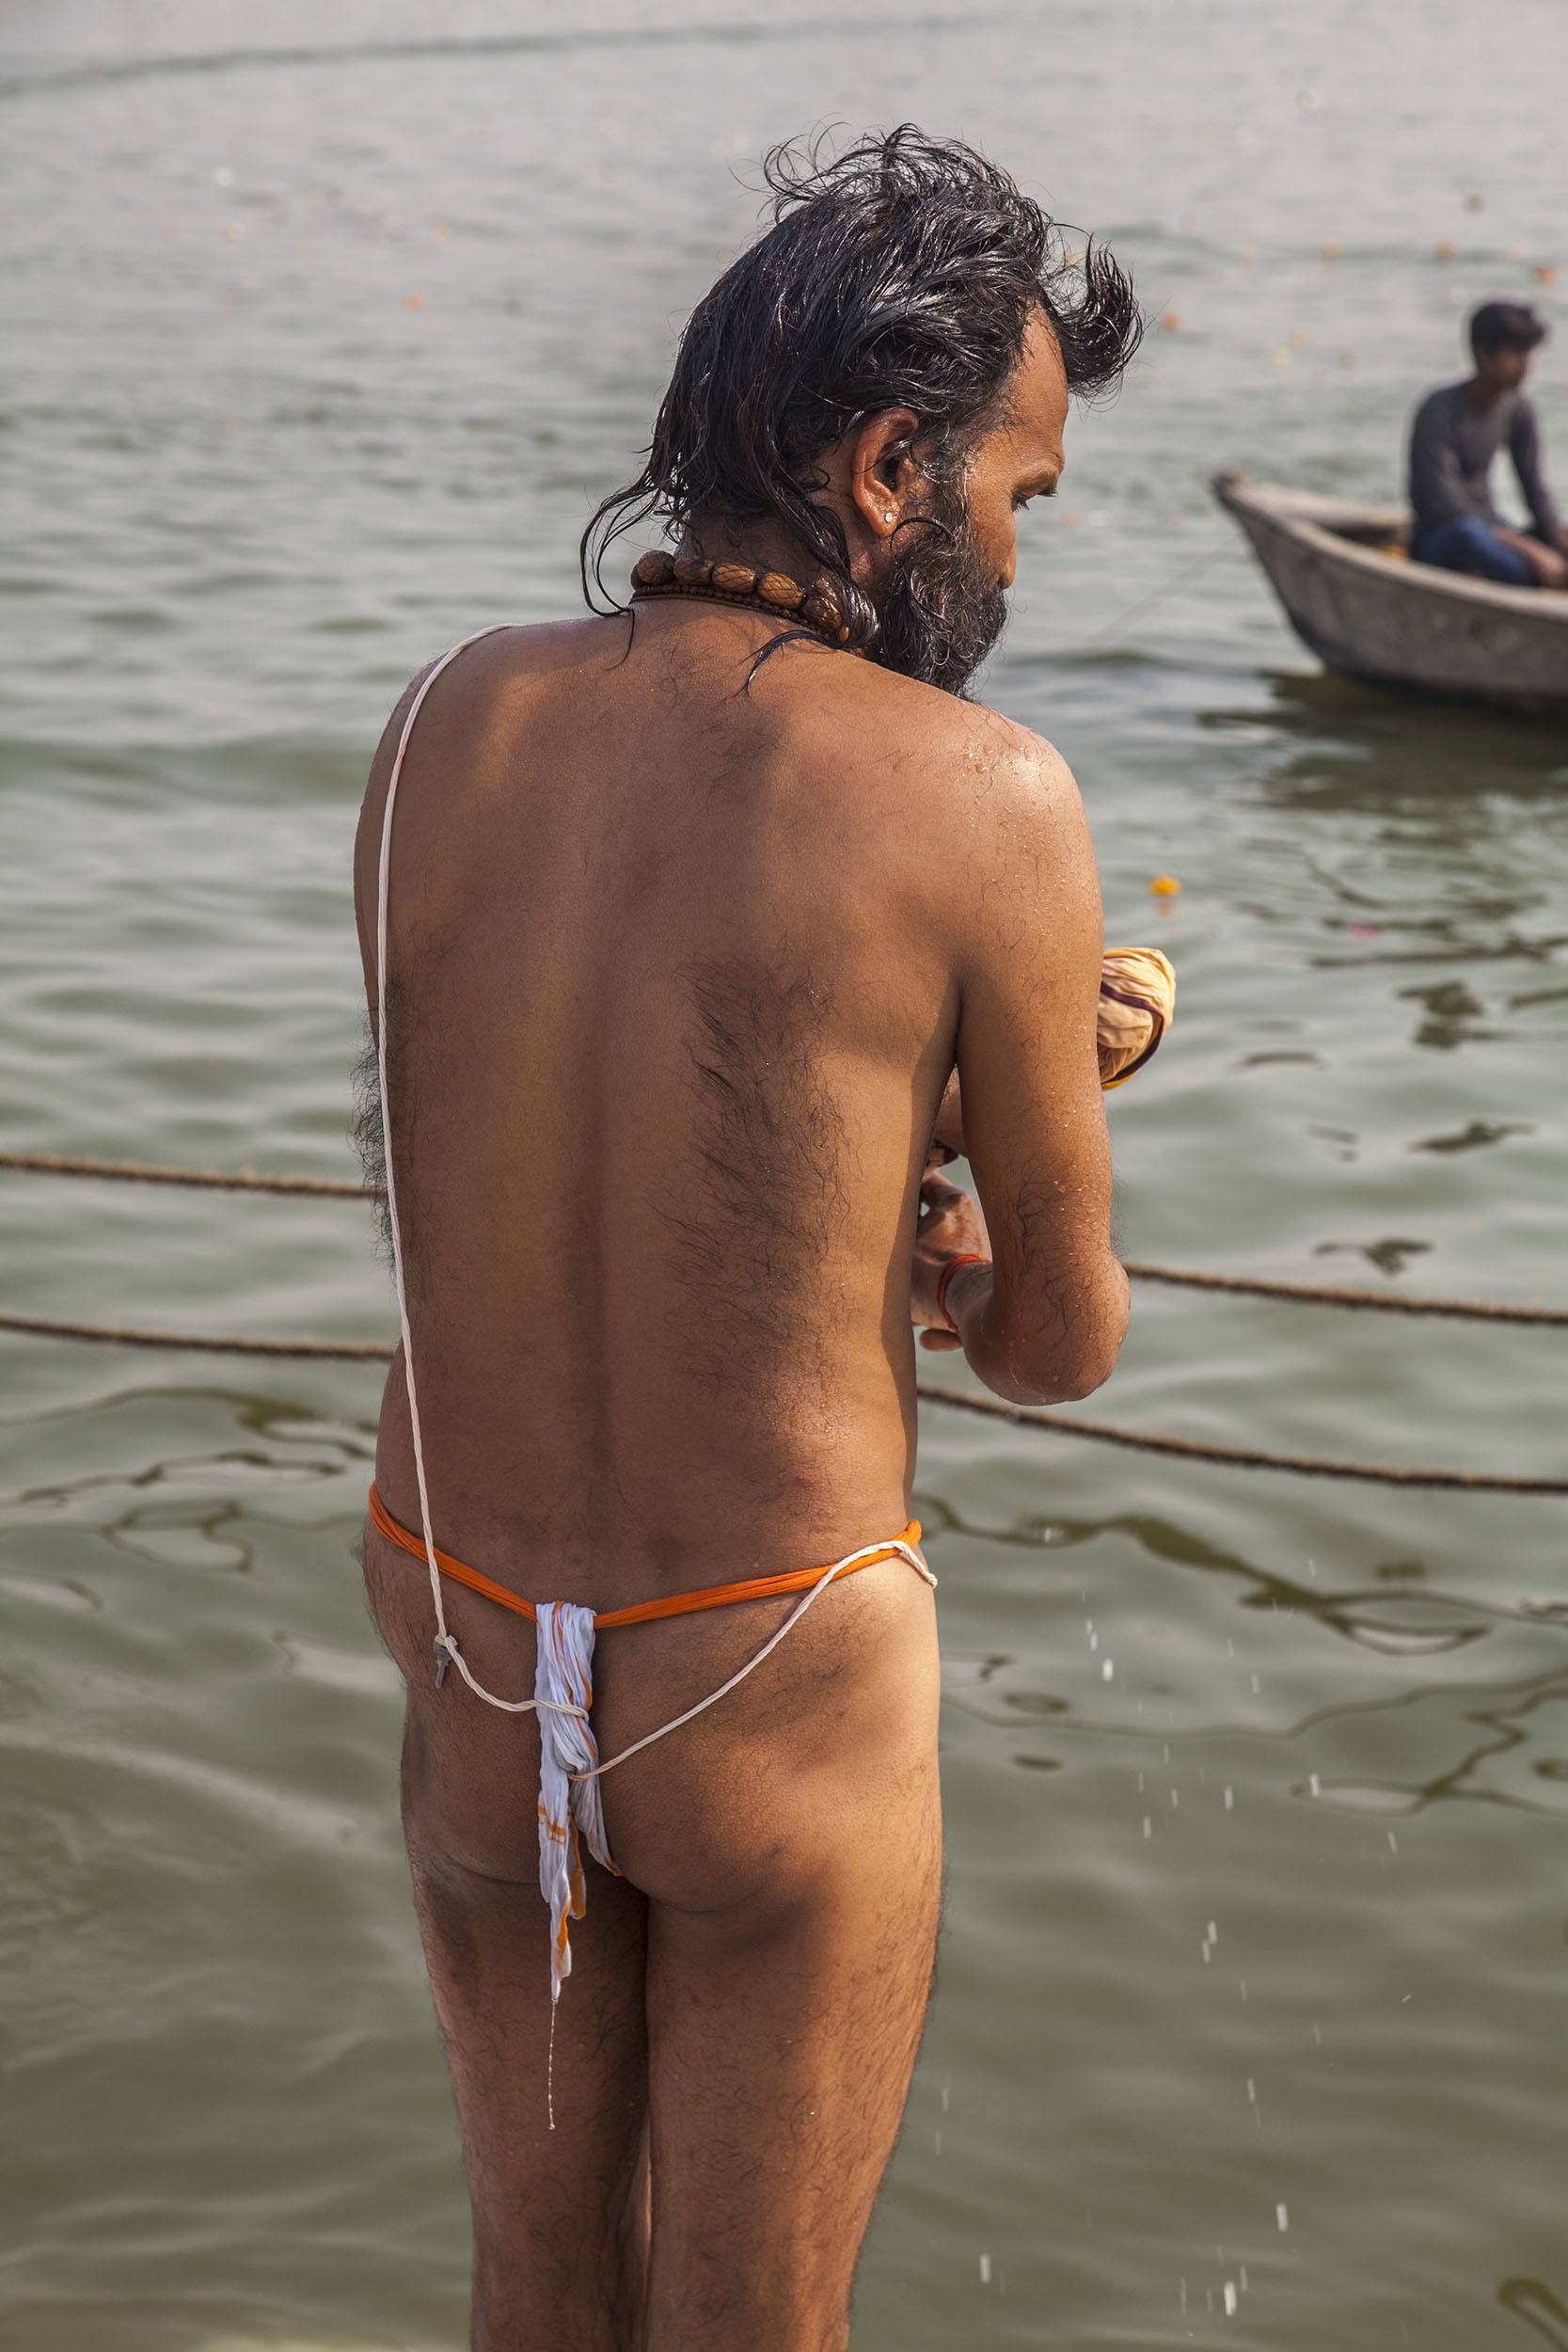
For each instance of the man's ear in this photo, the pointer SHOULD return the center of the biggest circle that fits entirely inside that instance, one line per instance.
(882, 471)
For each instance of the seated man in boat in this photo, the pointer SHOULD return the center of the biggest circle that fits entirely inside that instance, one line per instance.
(690, 907)
(1457, 432)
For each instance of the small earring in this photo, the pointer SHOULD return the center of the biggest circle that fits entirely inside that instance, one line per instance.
(888, 516)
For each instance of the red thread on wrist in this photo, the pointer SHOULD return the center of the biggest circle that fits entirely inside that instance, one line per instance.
(969, 1258)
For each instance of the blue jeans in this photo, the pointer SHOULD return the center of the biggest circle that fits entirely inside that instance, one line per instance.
(1466, 544)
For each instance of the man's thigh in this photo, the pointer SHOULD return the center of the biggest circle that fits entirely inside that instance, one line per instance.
(553, 2110)
(1466, 544)
(782, 2035)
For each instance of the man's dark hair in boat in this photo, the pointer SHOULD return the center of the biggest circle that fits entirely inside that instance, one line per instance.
(1506, 326)
(901, 274)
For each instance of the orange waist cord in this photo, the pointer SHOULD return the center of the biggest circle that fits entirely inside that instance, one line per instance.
(642, 1611)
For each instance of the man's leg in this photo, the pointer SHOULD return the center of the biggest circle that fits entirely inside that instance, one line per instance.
(559, 2218)
(784, 2035)
(1466, 544)
(787, 1986)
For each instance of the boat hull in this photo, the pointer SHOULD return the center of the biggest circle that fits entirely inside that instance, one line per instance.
(1380, 617)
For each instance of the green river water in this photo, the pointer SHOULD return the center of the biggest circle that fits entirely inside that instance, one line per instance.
(326, 327)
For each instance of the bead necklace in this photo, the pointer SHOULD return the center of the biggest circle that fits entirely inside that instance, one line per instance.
(819, 606)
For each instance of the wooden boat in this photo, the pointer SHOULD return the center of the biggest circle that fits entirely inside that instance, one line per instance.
(1351, 593)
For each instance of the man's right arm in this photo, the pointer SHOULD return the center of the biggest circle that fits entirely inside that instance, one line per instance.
(1045, 1320)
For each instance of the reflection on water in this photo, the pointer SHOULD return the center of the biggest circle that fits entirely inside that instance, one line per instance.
(1535, 2304)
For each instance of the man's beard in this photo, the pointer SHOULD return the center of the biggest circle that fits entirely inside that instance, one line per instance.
(943, 609)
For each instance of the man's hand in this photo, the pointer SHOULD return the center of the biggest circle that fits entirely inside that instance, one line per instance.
(951, 1226)
(1549, 568)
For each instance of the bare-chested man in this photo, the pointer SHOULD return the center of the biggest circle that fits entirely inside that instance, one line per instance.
(691, 915)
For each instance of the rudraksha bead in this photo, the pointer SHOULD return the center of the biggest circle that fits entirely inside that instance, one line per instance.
(820, 606)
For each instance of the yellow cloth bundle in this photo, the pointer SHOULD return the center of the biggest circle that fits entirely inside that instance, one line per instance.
(1137, 996)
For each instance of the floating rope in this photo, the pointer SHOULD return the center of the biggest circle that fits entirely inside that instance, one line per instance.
(1322, 1294)
(210, 1179)
(1240, 1285)
(1102, 1432)
(1242, 1458)
(217, 1344)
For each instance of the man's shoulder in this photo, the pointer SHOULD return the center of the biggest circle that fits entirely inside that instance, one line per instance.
(1440, 404)
(879, 720)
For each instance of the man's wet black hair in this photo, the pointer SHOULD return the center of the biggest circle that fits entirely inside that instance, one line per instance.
(1506, 326)
(902, 273)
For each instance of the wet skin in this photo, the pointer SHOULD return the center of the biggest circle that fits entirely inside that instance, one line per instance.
(679, 973)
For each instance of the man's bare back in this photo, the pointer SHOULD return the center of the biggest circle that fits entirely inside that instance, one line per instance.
(680, 960)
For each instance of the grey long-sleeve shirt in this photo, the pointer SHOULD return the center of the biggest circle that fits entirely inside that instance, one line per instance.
(1453, 443)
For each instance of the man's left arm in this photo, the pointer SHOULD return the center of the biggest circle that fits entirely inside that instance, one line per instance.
(1524, 447)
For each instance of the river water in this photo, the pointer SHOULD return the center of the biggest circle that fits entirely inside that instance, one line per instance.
(326, 328)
